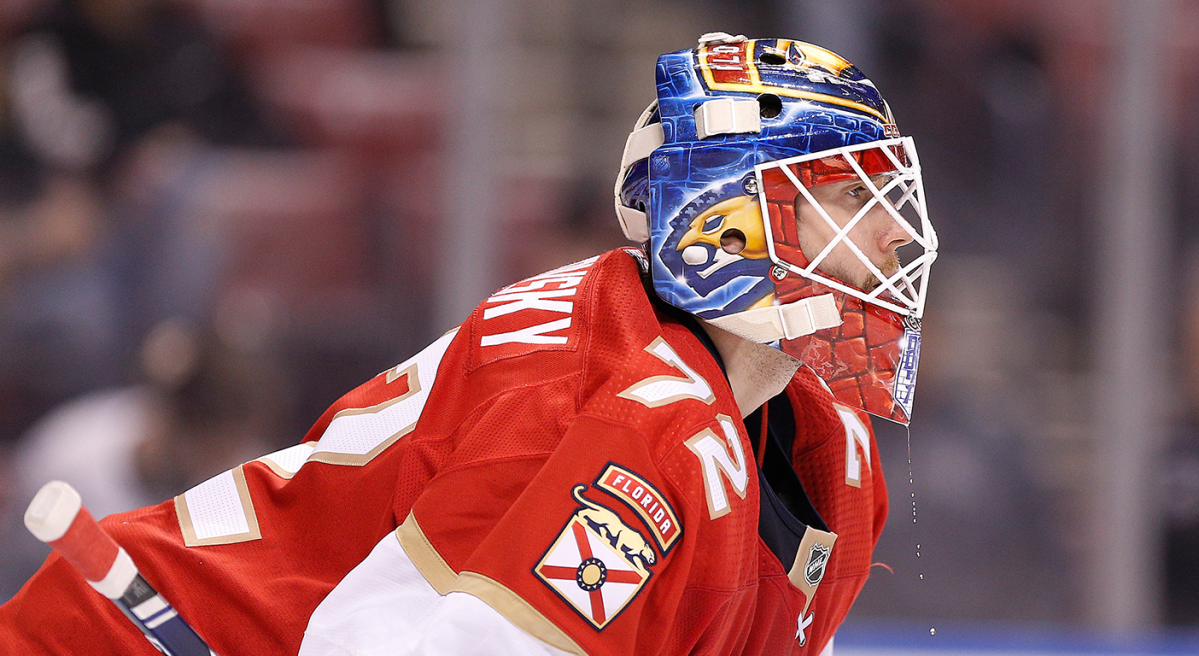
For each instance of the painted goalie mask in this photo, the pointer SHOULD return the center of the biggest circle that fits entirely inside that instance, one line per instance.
(781, 203)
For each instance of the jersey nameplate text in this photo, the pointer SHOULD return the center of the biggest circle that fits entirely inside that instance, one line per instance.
(536, 311)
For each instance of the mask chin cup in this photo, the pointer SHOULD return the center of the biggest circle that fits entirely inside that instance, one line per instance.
(868, 362)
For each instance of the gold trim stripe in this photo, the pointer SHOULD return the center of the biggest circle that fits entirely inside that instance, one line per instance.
(275, 468)
(430, 563)
(278, 469)
(410, 371)
(516, 610)
(392, 376)
(506, 602)
(359, 459)
(188, 529)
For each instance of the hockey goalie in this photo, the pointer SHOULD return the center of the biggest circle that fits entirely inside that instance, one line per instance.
(663, 449)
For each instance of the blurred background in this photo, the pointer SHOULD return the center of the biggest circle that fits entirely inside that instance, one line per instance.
(217, 216)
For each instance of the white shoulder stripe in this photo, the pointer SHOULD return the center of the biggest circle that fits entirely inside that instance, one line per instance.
(355, 437)
(287, 462)
(218, 511)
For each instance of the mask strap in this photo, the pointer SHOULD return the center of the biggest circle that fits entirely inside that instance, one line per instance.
(645, 138)
(790, 321)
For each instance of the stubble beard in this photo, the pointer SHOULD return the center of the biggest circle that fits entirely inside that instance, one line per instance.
(864, 280)
(889, 267)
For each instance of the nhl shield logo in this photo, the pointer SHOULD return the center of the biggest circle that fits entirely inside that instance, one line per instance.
(593, 564)
(813, 571)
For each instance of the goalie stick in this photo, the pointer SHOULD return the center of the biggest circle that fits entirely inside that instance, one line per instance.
(57, 517)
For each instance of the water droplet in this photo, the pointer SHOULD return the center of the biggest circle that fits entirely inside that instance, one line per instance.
(932, 631)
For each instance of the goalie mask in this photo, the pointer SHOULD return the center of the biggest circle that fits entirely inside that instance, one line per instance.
(781, 203)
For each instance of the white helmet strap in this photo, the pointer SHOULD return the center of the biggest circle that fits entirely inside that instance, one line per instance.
(645, 138)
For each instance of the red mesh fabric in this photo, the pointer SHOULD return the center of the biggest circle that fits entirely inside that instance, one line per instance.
(821, 464)
(776, 622)
(712, 610)
(545, 419)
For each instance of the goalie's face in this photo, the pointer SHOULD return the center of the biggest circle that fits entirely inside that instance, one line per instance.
(839, 216)
(876, 234)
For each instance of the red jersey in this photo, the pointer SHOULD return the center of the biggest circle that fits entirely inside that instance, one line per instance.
(568, 468)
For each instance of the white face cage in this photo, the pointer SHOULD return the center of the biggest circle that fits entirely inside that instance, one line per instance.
(902, 196)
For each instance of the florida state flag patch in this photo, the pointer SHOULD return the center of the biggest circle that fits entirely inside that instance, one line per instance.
(597, 564)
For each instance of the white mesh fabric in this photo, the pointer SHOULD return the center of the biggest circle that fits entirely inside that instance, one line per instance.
(216, 508)
(292, 458)
(358, 432)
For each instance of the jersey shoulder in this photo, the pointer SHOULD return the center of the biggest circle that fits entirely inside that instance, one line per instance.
(594, 319)
(560, 312)
(819, 416)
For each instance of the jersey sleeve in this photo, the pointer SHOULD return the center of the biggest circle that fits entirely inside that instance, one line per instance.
(587, 553)
(246, 556)
(243, 558)
(386, 606)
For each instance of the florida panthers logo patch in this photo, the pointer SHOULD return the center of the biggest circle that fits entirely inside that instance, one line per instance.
(646, 501)
(598, 563)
